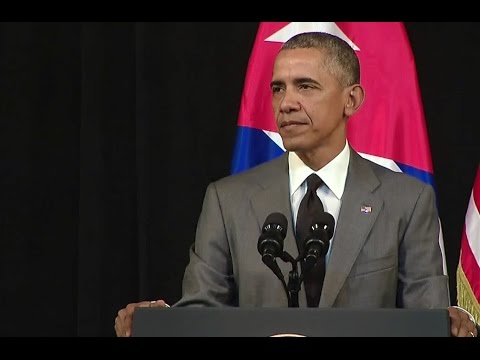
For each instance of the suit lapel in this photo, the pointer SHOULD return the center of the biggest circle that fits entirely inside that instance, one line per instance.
(359, 210)
(274, 196)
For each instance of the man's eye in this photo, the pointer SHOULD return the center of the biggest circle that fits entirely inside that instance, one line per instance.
(304, 86)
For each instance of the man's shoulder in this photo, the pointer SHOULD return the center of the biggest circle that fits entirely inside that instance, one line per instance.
(261, 172)
(394, 178)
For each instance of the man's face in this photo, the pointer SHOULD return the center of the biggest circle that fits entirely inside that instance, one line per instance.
(308, 102)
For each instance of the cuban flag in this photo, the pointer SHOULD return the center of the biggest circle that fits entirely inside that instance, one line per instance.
(390, 127)
(468, 271)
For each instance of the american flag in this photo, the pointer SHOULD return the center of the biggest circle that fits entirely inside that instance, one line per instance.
(366, 209)
(468, 270)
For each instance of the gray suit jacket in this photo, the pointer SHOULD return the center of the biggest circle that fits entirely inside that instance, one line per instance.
(389, 257)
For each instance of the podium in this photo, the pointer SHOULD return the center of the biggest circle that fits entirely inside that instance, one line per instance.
(289, 322)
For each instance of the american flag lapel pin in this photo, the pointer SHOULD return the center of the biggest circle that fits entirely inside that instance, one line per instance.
(365, 209)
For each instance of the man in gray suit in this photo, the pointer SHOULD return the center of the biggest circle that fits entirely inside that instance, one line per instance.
(384, 252)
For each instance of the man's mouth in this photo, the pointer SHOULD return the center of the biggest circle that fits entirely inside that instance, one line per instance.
(292, 123)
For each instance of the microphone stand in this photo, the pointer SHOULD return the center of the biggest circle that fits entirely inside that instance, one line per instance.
(294, 281)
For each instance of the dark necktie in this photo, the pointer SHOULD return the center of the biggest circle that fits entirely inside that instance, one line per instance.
(310, 206)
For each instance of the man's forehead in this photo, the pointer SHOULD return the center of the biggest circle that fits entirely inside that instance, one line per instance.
(299, 64)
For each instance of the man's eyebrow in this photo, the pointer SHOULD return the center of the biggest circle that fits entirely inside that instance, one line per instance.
(305, 80)
(295, 81)
(276, 83)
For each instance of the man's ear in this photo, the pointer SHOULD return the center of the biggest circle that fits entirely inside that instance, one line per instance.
(355, 98)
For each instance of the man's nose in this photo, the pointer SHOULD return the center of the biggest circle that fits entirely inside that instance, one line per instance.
(290, 102)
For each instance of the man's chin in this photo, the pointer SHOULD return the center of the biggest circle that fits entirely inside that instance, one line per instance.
(291, 145)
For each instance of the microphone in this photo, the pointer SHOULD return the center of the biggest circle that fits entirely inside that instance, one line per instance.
(318, 241)
(270, 242)
(270, 246)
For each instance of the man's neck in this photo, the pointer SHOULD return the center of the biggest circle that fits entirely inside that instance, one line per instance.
(320, 157)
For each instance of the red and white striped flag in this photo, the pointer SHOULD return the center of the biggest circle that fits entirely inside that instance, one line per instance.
(468, 271)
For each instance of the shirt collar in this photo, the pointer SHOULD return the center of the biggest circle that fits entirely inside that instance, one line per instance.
(334, 174)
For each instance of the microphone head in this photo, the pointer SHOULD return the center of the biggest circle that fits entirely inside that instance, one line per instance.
(273, 233)
(324, 221)
(276, 222)
(317, 242)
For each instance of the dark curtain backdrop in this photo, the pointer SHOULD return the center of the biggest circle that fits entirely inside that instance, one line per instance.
(110, 133)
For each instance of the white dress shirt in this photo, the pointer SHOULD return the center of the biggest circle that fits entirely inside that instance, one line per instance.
(334, 175)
